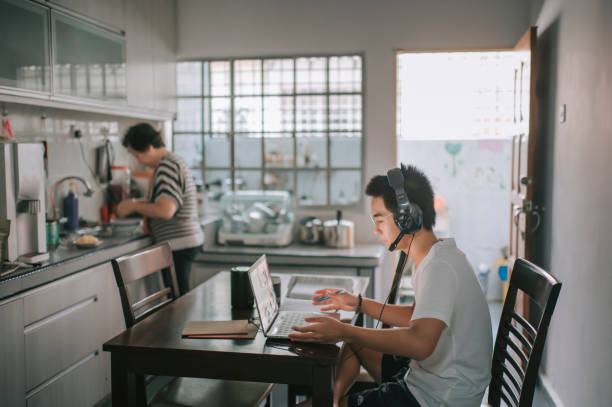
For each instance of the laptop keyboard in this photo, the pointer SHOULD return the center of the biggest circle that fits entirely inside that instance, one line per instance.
(288, 319)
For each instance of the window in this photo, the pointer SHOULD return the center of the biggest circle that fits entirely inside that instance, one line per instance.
(286, 123)
(455, 95)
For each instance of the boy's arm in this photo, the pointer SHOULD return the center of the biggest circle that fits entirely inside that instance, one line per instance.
(394, 315)
(417, 341)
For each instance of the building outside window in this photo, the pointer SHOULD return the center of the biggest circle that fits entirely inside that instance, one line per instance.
(283, 123)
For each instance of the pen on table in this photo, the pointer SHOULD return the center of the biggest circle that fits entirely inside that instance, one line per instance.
(327, 297)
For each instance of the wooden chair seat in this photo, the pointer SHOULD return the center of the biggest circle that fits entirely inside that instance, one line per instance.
(187, 391)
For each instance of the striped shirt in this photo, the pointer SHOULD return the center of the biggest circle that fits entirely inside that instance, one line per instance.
(172, 178)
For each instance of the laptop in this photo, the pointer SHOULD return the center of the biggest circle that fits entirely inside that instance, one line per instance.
(276, 324)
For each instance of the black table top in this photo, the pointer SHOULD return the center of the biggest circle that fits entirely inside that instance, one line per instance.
(161, 332)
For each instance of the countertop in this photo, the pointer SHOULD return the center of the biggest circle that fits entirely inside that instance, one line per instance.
(66, 260)
(362, 255)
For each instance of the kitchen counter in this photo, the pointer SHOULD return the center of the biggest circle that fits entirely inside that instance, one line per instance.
(361, 260)
(362, 255)
(67, 260)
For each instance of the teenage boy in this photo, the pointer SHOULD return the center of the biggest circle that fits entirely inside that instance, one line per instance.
(439, 351)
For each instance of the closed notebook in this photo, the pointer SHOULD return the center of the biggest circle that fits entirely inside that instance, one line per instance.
(239, 328)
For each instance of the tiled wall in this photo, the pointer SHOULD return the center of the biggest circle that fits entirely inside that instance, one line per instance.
(31, 123)
(471, 177)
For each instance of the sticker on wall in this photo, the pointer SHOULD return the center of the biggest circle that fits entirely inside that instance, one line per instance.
(488, 176)
(453, 149)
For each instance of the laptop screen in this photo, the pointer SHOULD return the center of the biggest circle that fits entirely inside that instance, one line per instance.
(261, 283)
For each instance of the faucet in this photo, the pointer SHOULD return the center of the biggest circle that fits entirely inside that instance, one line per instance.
(88, 191)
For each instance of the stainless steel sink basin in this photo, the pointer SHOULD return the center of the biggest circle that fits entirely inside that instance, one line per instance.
(98, 231)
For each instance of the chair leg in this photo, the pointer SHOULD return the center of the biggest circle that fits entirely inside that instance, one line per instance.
(141, 391)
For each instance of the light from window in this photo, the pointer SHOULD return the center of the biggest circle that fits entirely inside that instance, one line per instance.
(454, 95)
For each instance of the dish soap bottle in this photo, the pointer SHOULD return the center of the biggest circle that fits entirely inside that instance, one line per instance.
(71, 208)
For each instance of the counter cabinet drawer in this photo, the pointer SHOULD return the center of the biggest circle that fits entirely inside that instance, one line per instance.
(64, 322)
(12, 384)
(62, 294)
(57, 342)
(79, 385)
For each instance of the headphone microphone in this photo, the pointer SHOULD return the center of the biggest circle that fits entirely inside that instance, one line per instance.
(397, 240)
(407, 216)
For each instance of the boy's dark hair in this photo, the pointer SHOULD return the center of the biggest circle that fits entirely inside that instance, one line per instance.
(418, 188)
(141, 136)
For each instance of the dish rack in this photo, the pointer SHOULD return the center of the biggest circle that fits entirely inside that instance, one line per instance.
(256, 218)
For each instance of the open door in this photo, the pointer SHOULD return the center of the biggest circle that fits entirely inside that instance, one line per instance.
(524, 216)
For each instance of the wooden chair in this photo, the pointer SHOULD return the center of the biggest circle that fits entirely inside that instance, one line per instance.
(519, 344)
(152, 269)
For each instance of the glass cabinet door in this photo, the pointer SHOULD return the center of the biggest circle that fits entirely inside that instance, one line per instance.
(89, 61)
(24, 45)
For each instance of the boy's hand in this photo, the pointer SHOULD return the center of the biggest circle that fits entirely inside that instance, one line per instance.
(322, 330)
(343, 301)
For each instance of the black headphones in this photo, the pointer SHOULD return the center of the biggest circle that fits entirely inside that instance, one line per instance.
(407, 216)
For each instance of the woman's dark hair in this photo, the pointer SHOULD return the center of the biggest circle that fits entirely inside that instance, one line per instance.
(418, 188)
(141, 136)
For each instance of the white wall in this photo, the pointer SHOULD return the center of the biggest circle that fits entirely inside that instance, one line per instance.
(289, 27)
(574, 176)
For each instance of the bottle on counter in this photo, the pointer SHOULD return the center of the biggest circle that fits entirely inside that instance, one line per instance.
(71, 208)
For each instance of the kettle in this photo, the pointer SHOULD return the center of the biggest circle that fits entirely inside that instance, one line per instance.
(339, 232)
(311, 230)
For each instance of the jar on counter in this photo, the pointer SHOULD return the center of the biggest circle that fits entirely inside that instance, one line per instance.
(121, 177)
(52, 234)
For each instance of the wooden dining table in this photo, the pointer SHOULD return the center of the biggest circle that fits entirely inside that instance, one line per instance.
(155, 346)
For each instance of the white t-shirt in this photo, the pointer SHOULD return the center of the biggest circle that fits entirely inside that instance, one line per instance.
(459, 369)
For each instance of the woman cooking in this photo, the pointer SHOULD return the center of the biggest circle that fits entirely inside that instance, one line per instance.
(171, 205)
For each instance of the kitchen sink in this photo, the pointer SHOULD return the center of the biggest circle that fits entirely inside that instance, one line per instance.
(97, 231)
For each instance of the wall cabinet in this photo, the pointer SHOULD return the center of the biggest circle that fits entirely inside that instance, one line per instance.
(133, 62)
(52, 340)
(24, 46)
(109, 12)
(88, 61)
(151, 54)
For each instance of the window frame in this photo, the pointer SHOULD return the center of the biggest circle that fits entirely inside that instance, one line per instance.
(294, 169)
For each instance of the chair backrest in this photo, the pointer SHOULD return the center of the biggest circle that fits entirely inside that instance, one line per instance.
(137, 266)
(519, 344)
(395, 285)
(397, 278)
